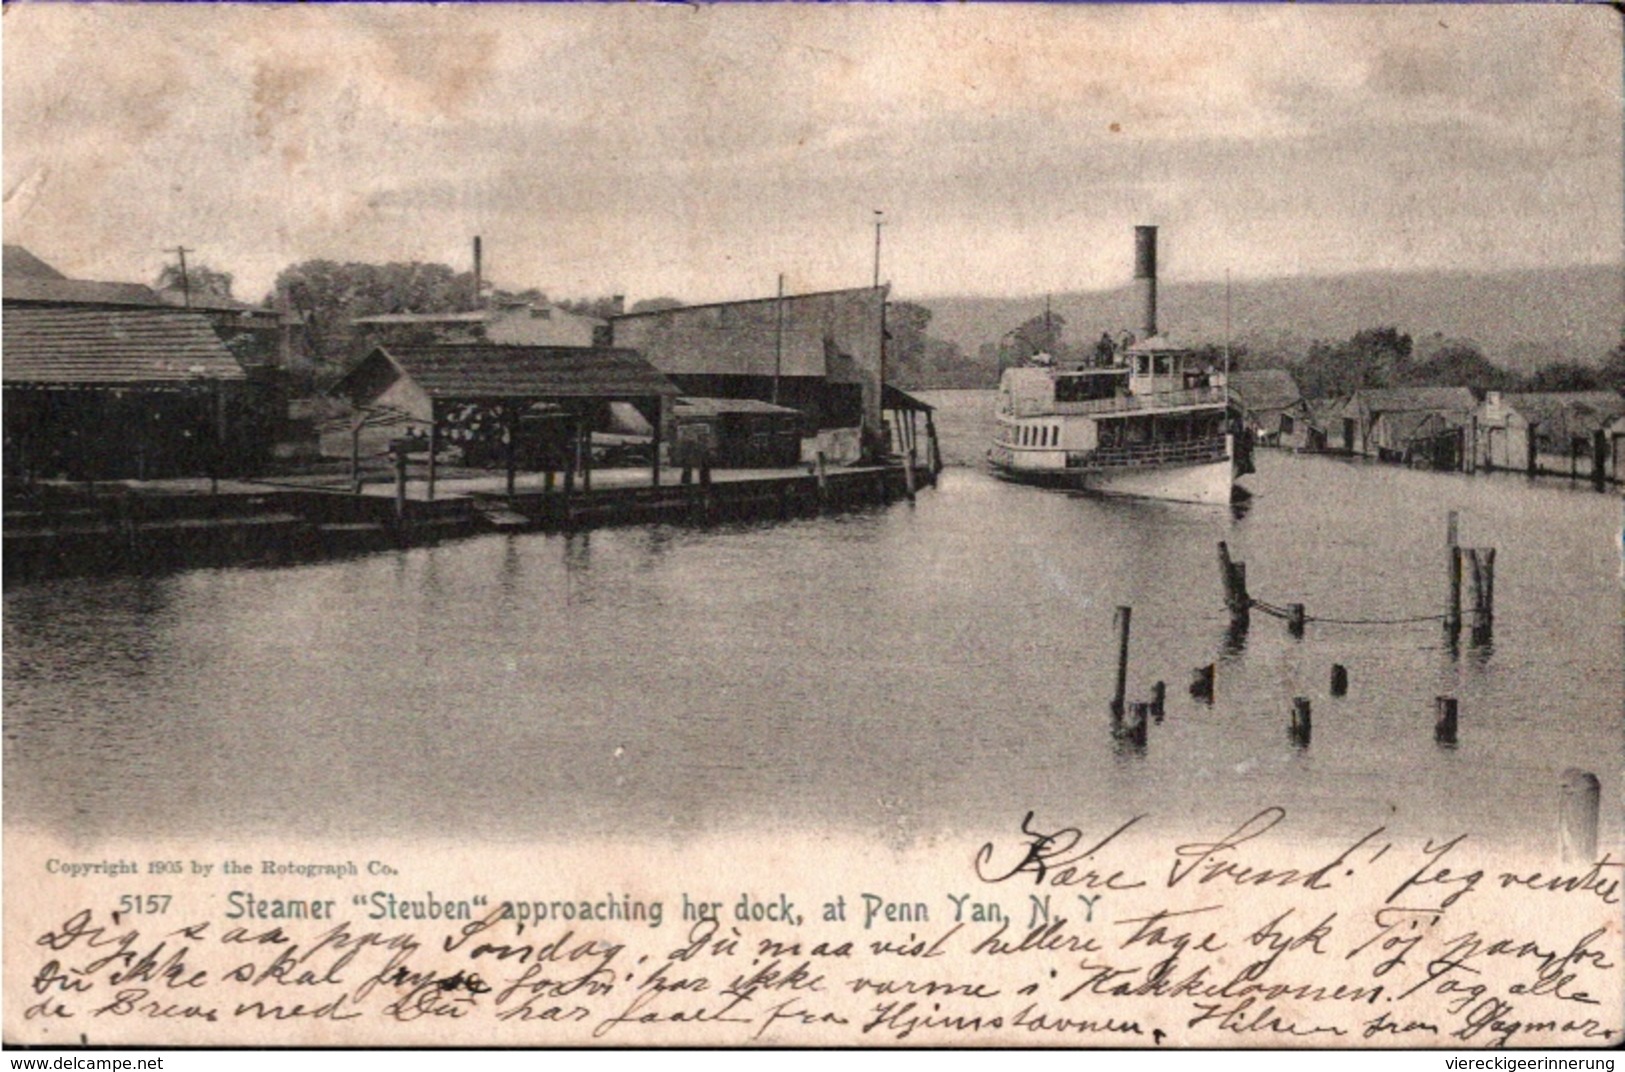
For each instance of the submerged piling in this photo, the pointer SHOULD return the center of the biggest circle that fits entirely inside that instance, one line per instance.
(1134, 724)
(1159, 696)
(1202, 683)
(1300, 727)
(1580, 795)
(1444, 720)
(1295, 618)
(1340, 680)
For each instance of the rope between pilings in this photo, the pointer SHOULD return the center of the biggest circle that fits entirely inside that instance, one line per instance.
(1284, 613)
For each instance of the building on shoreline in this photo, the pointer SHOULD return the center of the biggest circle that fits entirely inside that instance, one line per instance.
(820, 353)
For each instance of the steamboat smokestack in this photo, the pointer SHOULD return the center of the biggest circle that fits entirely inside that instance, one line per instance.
(479, 279)
(1145, 278)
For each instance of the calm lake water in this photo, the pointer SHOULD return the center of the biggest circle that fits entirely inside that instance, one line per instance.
(902, 672)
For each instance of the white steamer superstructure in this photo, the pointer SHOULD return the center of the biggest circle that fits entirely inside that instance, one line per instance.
(1154, 424)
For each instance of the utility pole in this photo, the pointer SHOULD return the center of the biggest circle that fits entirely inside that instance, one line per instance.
(880, 221)
(186, 283)
(880, 387)
(778, 343)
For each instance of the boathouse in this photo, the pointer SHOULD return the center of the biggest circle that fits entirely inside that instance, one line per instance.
(1383, 422)
(517, 407)
(107, 391)
(820, 354)
(1272, 407)
(1551, 432)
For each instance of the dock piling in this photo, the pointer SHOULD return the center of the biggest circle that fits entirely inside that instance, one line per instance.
(1340, 680)
(1120, 621)
(1202, 683)
(1580, 795)
(1452, 615)
(1444, 720)
(1481, 563)
(400, 486)
(1234, 577)
(1300, 728)
(1134, 724)
(1295, 620)
(1159, 696)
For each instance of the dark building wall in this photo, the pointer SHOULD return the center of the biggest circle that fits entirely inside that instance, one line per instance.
(833, 337)
(822, 404)
(90, 434)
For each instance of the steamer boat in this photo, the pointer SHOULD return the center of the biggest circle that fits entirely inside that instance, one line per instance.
(1154, 424)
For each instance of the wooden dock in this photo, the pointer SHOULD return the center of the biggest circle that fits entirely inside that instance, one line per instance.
(77, 528)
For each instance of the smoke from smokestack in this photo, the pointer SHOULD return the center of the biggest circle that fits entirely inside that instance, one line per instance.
(1145, 278)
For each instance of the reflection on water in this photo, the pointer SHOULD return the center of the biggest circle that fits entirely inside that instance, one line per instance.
(899, 672)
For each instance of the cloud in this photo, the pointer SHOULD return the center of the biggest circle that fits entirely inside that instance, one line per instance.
(699, 151)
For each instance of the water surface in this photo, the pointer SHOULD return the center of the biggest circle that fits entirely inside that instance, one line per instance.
(901, 672)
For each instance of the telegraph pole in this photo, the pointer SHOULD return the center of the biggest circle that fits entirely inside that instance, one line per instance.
(186, 283)
(880, 221)
(778, 342)
(880, 388)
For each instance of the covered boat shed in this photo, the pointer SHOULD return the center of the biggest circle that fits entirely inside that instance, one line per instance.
(119, 393)
(535, 402)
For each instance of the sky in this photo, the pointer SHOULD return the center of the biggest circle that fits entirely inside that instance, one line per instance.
(700, 151)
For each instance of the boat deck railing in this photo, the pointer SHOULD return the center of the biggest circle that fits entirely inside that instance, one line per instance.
(1189, 452)
(1160, 400)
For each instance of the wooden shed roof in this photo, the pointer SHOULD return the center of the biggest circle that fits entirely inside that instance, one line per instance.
(35, 289)
(89, 347)
(477, 371)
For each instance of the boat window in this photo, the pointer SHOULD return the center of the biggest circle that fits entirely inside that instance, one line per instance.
(1086, 388)
(1165, 364)
(1142, 363)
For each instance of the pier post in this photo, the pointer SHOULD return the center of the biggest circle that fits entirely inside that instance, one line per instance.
(586, 458)
(654, 451)
(1159, 696)
(1120, 621)
(1599, 460)
(400, 485)
(1452, 613)
(1444, 720)
(1580, 794)
(1300, 721)
(434, 447)
(1482, 563)
(908, 473)
(510, 431)
(1133, 729)
(933, 448)
(1202, 683)
(1234, 576)
(355, 453)
(1340, 680)
(1295, 620)
(823, 479)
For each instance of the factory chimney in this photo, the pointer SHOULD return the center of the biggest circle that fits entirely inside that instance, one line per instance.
(479, 279)
(1145, 278)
